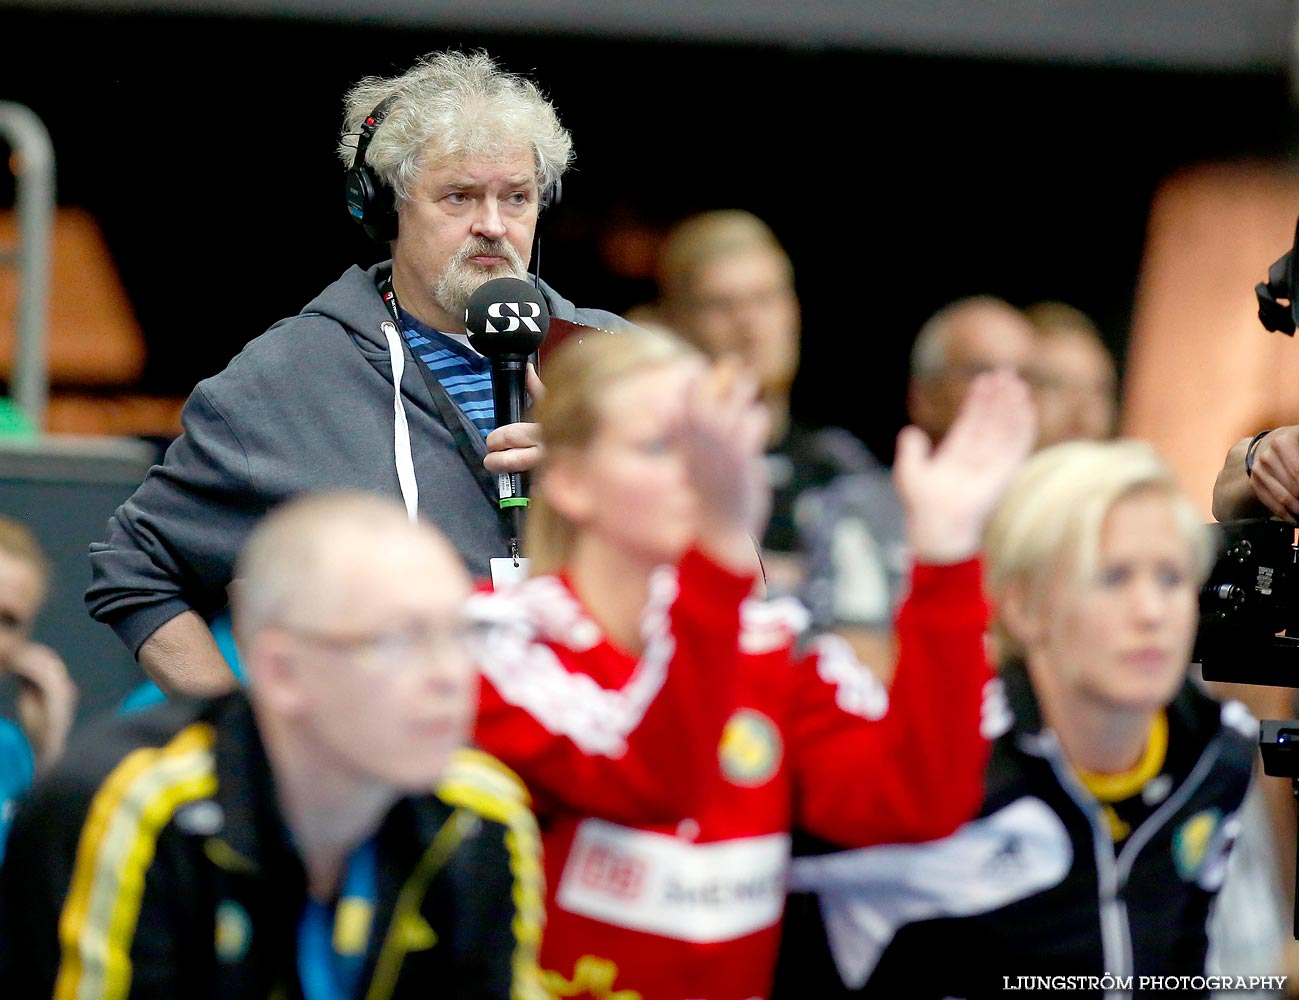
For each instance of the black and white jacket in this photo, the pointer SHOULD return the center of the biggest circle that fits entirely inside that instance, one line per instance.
(1035, 886)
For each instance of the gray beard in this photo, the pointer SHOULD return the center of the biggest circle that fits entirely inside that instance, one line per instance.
(460, 279)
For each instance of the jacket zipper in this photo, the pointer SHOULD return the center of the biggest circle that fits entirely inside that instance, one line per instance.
(459, 826)
(1113, 871)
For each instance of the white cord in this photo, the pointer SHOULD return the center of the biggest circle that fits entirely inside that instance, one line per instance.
(401, 429)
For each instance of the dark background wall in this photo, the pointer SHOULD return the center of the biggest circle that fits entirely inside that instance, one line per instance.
(204, 146)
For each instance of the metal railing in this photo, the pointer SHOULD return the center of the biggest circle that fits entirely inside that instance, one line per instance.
(31, 161)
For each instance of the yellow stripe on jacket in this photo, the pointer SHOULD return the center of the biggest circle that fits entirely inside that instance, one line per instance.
(116, 848)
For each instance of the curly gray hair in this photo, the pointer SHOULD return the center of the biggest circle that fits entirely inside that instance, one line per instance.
(453, 104)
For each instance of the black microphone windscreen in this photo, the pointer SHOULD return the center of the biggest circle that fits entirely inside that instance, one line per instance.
(506, 317)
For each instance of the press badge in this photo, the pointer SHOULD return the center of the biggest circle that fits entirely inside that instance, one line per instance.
(507, 570)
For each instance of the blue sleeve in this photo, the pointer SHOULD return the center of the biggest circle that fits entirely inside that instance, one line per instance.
(17, 767)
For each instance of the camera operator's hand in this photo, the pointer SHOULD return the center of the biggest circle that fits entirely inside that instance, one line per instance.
(1271, 484)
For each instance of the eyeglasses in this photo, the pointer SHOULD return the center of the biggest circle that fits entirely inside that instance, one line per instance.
(969, 371)
(414, 642)
(760, 298)
(1042, 381)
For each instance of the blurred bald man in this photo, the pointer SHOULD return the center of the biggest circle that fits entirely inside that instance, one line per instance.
(857, 563)
(287, 840)
(959, 342)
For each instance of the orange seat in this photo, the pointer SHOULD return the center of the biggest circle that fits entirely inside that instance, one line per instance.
(96, 350)
(93, 339)
(117, 414)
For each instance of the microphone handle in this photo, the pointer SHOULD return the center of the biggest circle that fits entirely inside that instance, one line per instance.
(509, 375)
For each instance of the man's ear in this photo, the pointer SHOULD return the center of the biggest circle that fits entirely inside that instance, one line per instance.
(568, 486)
(275, 672)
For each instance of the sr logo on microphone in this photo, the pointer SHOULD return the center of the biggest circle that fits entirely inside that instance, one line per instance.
(515, 315)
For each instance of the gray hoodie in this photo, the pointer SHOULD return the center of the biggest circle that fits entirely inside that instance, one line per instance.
(306, 406)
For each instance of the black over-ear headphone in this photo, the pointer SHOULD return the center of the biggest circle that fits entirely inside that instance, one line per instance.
(369, 200)
(372, 203)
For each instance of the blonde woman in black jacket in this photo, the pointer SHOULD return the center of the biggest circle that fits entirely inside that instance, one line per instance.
(1114, 783)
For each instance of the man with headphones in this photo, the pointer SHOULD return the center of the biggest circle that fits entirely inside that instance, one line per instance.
(374, 385)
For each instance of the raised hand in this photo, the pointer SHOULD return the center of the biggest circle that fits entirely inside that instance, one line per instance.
(47, 700)
(949, 492)
(724, 433)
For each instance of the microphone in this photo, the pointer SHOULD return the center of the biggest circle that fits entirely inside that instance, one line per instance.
(506, 320)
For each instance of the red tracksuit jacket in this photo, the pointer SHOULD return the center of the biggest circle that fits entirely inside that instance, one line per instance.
(666, 784)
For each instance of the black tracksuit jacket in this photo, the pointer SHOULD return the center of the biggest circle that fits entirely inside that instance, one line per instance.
(154, 863)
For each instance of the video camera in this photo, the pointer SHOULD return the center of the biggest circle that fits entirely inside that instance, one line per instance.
(1249, 607)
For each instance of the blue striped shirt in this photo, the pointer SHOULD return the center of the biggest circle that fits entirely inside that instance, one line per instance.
(464, 373)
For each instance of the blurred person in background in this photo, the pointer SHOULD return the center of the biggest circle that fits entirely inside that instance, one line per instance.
(458, 159)
(856, 535)
(47, 697)
(1075, 383)
(960, 342)
(287, 841)
(668, 729)
(1114, 788)
(727, 285)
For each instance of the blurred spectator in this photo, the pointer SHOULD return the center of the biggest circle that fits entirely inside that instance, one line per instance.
(285, 842)
(727, 285)
(1073, 376)
(47, 696)
(857, 558)
(958, 343)
(1114, 787)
